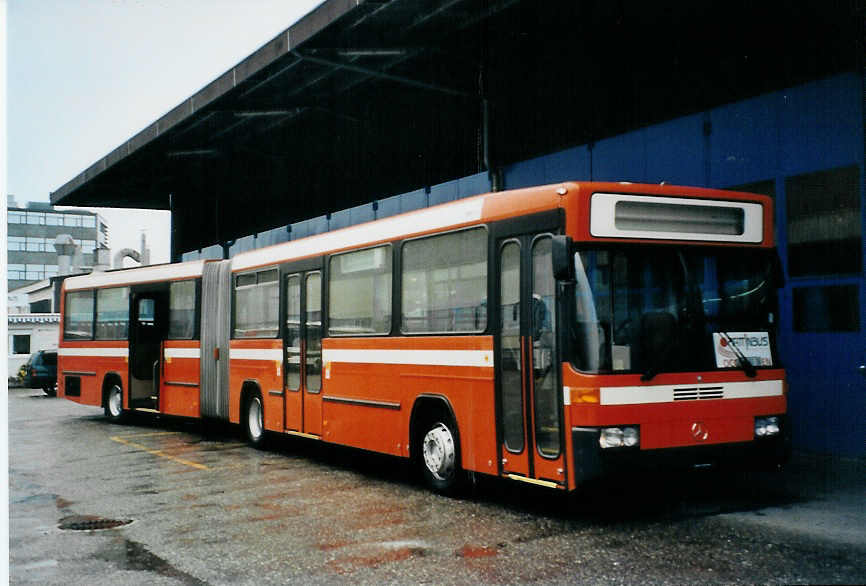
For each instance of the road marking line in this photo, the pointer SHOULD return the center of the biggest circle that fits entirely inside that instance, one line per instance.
(150, 434)
(159, 453)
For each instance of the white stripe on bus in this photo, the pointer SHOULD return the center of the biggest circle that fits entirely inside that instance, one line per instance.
(482, 358)
(665, 393)
(94, 351)
(256, 354)
(183, 352)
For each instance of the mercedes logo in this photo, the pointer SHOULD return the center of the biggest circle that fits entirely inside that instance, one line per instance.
(699, 431)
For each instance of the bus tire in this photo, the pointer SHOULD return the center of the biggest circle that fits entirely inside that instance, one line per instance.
(253, 418)
(439, 455)
(114, 404)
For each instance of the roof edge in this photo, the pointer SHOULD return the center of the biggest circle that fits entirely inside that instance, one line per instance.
(295, 35)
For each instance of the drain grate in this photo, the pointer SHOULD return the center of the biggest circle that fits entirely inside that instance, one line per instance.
(90, 523)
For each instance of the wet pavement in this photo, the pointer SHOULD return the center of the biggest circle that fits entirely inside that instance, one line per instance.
(195, 505)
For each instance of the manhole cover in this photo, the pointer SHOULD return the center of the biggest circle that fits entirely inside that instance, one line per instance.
(90, 523)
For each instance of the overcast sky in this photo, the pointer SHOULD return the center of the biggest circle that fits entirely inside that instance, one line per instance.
(83, 76)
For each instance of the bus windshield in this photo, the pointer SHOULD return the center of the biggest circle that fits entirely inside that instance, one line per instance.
(665, 309)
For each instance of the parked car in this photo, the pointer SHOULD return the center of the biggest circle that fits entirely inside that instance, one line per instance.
(40, 371)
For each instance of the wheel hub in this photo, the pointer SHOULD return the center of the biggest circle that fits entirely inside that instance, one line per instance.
(255, 419)
(439, 452)
(115, 404)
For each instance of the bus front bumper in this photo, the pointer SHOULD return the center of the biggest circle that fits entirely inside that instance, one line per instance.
(592, 462)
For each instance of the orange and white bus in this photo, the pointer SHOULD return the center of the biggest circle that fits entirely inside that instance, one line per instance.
(546, 335)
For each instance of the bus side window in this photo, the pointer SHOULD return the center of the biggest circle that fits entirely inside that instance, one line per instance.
(181, 310)
(112, 313)
(78, 316)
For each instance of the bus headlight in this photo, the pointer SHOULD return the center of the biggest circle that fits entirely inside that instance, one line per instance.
(766, 426)
(619, 437)
(630, 437)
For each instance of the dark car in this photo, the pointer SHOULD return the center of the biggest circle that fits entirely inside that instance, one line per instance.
(40, 371)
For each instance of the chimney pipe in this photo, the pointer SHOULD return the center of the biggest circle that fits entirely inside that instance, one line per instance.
(101, 260)
(66, 249)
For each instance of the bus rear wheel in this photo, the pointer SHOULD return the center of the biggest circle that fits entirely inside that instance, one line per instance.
(114, 404)
(253, 418)
(439, 456)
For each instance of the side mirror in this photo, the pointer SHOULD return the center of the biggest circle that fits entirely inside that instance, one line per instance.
(563, 265)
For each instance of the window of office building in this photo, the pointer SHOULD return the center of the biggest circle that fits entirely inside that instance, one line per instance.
(53, 219)
(35, 272)
(36, 218)
(16, 272)
(17, 243)
(36, 244)
(20, 344)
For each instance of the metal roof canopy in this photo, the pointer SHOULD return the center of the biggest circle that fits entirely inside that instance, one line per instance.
(363, 99)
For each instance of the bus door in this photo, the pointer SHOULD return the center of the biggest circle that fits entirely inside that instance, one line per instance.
(147, 332)
(303, 353)
(530, 411)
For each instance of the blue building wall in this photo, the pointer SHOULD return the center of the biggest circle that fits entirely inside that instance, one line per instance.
(807, 128)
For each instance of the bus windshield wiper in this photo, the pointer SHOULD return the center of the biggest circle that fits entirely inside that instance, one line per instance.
(649, 373)
(745, 364)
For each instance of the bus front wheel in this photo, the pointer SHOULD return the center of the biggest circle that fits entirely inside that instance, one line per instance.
(114, 404)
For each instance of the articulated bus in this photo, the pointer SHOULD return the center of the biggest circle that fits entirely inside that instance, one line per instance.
(547, 335)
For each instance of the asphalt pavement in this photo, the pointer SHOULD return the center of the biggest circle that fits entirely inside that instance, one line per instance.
(166, 501)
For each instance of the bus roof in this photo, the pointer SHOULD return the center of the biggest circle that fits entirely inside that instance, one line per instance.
(136, 276)
(464, 212)
(449, 215)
